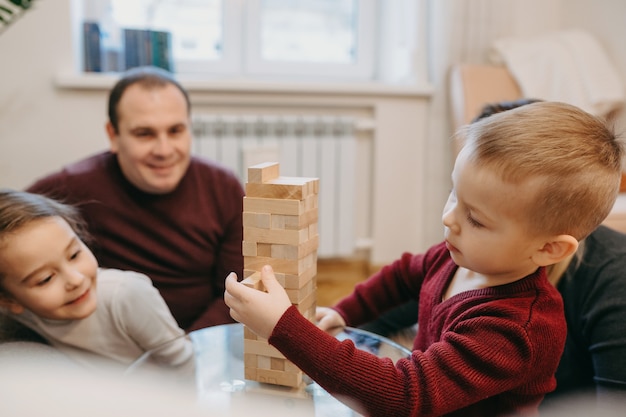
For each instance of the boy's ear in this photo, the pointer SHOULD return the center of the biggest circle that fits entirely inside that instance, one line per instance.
(11, 305)
(555, 250)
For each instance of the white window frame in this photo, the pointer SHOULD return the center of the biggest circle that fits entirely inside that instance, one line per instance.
(362, 69)
(241, 49)
(231, 60)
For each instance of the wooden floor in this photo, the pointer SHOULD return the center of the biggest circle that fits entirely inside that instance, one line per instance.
(336, 278)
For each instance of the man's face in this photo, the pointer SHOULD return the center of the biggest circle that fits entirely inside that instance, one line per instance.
(153, 143)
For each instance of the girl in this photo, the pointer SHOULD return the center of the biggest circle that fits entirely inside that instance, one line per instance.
(48, 282)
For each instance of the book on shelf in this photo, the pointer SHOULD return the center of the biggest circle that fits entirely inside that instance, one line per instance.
(92, 60)
(131, 48)
(162, 49)
(147, 47)
(139, 47)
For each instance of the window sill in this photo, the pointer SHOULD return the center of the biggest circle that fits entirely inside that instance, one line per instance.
(100, 81)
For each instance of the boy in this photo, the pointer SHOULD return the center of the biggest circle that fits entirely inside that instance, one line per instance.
(527, 186)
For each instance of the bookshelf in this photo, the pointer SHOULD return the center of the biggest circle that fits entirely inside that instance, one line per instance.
(136, 47)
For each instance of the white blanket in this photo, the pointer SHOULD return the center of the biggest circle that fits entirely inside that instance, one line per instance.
(568, 66)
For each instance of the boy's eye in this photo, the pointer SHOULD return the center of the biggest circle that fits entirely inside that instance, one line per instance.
(473, 221)
(74, 255)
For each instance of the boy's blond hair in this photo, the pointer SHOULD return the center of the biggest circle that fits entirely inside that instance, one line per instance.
(574, 154)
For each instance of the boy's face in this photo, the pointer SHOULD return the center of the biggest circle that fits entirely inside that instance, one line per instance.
(48, 270)
(486, 229)
(153, 142)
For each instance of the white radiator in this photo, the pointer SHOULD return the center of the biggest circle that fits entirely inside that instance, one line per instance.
(315, 146)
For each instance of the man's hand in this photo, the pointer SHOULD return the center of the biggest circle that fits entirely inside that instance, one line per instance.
(258, 310)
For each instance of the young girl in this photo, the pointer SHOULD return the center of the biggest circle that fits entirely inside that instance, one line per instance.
(48, 282)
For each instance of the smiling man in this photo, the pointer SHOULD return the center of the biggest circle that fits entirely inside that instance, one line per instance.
(151, 206)
(151, 138)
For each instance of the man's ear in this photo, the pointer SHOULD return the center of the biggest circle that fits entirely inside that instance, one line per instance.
(11, 305)
(112, 137)
(555, 250)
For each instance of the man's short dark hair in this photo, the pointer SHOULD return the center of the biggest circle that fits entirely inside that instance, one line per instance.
(146, 76)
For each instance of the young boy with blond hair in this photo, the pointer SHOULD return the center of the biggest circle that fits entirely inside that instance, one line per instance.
(528, 185)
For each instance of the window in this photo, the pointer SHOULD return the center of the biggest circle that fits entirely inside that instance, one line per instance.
(322, 37)
(312, 38)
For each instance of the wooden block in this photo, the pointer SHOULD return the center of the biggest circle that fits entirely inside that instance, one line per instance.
(296, 296)
(256, 249)
(265, 362)
(249, 372)
(278, 221)
(313, 229)
(288, 379)
(280, 277)
(249, 334)
(290, 281)
(261, 173)
(250, 360)
(285, 266)
(290, 366)
(263, 249)
(249, 248)
(316, 186)
(295, 281)
(277, 190)
(254, 281)
(260, 347)
(260, 220)
(307, 304)
(310, 202)
(309, 314)
(273, 206)
(308, 261)
(295, 222)
(277, 236)
(309, 182)
(278, 364)
(295, 251)
(297, 396)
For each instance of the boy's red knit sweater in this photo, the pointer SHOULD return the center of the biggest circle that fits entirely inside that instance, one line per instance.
(487, 352)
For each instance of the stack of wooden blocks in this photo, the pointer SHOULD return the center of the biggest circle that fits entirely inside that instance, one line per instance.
(279, 229)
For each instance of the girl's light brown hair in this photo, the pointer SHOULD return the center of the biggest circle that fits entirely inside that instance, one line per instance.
(19, 208)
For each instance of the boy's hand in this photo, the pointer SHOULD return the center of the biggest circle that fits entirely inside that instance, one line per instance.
(328, 319)
(258, 310)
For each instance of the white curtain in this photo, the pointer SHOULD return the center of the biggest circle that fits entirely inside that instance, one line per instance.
(461, 31)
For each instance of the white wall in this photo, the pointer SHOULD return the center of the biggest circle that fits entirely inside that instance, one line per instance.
(49, 119)
(43, 126)
(461, 31)
(605, 20)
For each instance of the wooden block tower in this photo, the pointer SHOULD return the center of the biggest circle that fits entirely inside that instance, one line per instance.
(279, 229)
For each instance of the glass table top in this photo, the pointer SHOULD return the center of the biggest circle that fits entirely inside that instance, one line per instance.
(221, 386)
